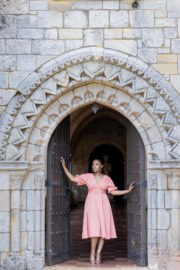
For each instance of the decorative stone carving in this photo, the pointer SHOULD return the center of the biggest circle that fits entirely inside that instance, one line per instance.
(58, 76)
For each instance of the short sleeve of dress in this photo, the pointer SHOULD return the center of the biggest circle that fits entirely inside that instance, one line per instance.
(81, 179)
(111, 186)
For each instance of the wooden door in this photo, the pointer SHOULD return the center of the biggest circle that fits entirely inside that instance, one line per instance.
(136, 200)
(58, 192)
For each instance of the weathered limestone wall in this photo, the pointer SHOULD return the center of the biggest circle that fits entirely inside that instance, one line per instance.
(33, 32)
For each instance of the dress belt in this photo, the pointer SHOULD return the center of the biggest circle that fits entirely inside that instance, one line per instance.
(97, 191)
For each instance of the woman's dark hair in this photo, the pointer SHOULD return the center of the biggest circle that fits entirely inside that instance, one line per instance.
(98, 158)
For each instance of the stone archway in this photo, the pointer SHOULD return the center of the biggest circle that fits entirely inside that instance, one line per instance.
(64, 74)
(71, 81)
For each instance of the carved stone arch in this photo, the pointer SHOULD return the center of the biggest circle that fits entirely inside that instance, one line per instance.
(64, 74)
(125, 104)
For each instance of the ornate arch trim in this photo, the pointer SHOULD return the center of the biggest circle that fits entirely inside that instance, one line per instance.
(106, 95)
(80, 67)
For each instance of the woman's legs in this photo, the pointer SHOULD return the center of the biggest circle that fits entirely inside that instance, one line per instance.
(94, 241)
(100, 246)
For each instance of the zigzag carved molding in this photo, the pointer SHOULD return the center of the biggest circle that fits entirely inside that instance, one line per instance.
(106, 95)
(80, 67)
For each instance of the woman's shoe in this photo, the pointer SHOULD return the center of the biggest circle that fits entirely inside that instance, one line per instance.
(98, 257)
(92, 258)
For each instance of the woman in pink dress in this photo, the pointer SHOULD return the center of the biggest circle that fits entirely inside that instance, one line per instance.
(98, 222)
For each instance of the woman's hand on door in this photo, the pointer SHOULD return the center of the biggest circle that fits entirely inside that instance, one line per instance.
(67, 172)
(131, 186)
(63, 162)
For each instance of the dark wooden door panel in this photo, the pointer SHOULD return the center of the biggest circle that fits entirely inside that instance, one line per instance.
(136, 204)
(58, 207)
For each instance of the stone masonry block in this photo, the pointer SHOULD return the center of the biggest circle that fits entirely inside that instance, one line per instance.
(14, 7)
(30, 200)
(170, 32)
(87, 5)
(30, 33)
(142, 18)
(170, 22)
(153, 37)
(173, 5)
(167, 58)
(8, 26)
(50, 34)
(4, 201)
(132, 33)
(50, 19)
(47, 47)
(175, 46)
(4, 240)
(26, 62)
(4, 221)
(119, 19)
(93, 37)
(70, 34)
(163, 219)
(3, 79)
(4, 178)
(113, 33)
(98, 19)
(7, 62)
(75, 19)
(174, 180)
(166, 68)
(127, 46)
(16, 77)
(112, 4)
(27, 21)
(172, 199)
(162, 239)
(38, 5)
(73, 44)
(148, 55)
(2, 46)
(18, 46)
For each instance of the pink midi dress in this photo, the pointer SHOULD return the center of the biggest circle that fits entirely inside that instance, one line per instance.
(98, 218)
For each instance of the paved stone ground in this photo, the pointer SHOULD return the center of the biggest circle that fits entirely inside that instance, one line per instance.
(121, 264)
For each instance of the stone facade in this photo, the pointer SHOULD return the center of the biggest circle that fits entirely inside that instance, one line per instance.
(56, 57)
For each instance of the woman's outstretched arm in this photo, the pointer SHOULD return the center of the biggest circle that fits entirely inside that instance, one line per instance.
(123, 192)
(67, 172)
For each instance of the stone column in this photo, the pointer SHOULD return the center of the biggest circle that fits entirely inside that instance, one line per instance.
(4, 212)
(172, 200)
(33, 210)
(11, 177)
(15, 187)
